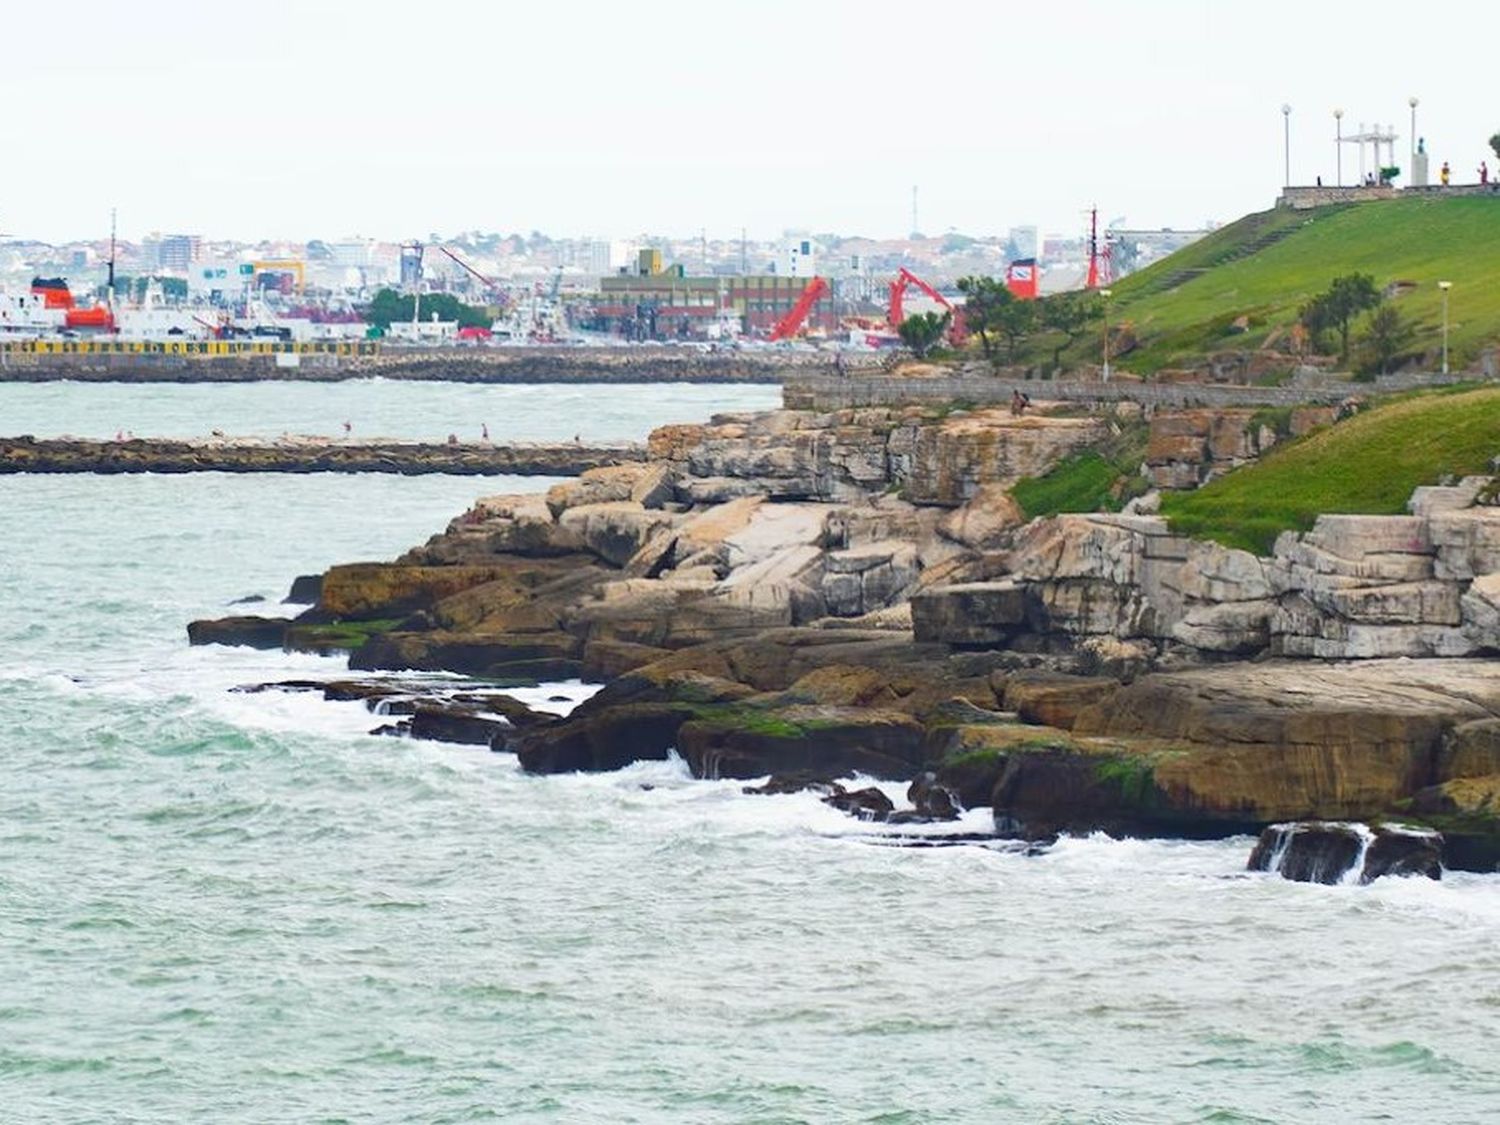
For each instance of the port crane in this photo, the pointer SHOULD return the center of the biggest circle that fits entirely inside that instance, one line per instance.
(790, 324)
(896, 311)
(492, 286)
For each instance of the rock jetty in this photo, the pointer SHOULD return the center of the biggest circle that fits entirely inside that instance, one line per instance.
(810, 595)
(304, 455)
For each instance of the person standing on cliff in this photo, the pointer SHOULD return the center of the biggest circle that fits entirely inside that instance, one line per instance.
(1484, 172)
(1443, 174)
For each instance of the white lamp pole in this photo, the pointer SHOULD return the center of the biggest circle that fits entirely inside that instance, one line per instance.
(1338, 145)
(1286, 124)
(1106, 294)
(1412, 101)
(1445, 286)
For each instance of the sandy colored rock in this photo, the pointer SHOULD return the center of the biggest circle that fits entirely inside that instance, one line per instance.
(986, 520)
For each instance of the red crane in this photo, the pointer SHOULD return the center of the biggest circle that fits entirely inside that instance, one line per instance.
(792, 322)
(896, 313)
(489, 283)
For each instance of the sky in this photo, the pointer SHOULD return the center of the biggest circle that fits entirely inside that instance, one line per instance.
(308, 119)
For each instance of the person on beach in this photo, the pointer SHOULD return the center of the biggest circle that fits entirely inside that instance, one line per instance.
(347, 428)
(484, 431)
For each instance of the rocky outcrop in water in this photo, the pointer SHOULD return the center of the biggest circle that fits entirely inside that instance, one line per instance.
(1318, 852)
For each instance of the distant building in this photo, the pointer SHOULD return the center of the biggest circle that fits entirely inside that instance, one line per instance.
(667, 305)
(423, 331)
(176, 252)
(218, 282)
(356, 253)
(798, 259)
(1024, 242)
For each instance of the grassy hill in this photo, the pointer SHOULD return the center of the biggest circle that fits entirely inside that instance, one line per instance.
(1266, 265)
(1369, 464)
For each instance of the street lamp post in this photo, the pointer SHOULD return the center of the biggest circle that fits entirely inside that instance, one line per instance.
(1106, 294)
(1445, 286)
(1412, 101)
(1286, 125)
(1338, 145)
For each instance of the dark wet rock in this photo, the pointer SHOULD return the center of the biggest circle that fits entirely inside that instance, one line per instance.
(508, 658)
(249, 599)
(244, 631)
(1400, 851)
(454, 723)
(746, 742)
(607, 739)
(1047, 790)
(306, 590)
(863, 804)
(1312, 852)
(971, 778)
(798, 782)
(434, 711)
(1321, 852)
(930, 799)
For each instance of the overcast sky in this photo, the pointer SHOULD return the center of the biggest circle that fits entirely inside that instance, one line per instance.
(315, 119)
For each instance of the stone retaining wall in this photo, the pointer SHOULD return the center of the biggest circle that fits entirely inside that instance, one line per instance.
(1307, 198)
(827, 392)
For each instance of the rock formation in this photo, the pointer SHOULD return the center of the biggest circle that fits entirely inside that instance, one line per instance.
(857, 592)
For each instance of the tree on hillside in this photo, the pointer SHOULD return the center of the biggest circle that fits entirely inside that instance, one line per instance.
(1495, 144)
(992, 309)
(923, 331)
(1336, 308)
(1071, 314)
(983, 297)
(1388, 335)
(1015, 319)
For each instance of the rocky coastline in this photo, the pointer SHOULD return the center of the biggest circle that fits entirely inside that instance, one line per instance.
(812, 595)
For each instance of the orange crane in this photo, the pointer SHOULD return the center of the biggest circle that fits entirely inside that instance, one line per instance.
(896, 313)
(790, 324)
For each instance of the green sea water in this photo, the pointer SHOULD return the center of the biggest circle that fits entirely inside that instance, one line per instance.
(217, 906)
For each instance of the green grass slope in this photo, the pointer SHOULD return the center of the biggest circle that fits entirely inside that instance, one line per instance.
(1368, 464)
(1265, 266)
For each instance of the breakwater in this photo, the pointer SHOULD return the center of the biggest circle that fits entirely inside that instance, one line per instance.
(120, 362)
(306, 455)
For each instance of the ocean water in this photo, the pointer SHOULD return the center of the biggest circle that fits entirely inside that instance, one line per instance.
(373, 408)
(225, 907)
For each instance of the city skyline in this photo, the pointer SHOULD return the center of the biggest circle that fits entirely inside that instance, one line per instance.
(304, 123)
